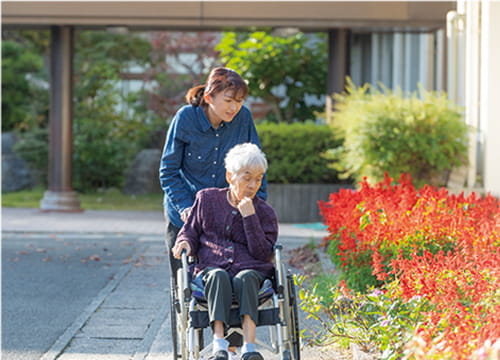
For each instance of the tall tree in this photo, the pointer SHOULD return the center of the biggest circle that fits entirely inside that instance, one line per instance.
(22, 78)
(287, 72)
(179, 60)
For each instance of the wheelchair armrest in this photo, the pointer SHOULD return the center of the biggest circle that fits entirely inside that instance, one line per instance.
(185, 275)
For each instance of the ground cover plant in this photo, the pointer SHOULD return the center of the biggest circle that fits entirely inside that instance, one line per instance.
(420, 272)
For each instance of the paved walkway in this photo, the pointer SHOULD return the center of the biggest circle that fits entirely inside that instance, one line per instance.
(96, 221)
(129, 318)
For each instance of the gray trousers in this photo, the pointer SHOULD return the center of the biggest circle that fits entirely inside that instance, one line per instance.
(171, 232)
(219, 290)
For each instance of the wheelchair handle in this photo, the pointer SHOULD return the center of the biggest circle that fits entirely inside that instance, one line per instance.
(279, 269)
(185, 276)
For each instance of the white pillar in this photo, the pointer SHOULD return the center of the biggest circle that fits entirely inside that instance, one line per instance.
(439, 61)
(426, 63)
(490, 88)
(472, 76)
(375, 75)
(455, 33)
(398, 61)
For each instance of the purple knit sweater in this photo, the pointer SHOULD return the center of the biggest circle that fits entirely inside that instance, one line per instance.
(220, 237)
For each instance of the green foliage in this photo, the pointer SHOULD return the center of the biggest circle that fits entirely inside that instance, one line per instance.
(281, 71)
(422, 135)
(170, 73)
(33, 148)
(21, 68)
(377, 322)
(118, 51)
(106, 137)
(358, 275)
(295, 152)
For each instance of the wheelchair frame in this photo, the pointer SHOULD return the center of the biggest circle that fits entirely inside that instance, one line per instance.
(278, 312)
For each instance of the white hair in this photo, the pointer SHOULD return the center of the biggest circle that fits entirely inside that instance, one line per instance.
(246, 155)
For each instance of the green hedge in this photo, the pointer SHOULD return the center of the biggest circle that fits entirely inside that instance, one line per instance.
(296, 152)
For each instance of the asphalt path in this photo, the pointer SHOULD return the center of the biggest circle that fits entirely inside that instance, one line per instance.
(47, 281)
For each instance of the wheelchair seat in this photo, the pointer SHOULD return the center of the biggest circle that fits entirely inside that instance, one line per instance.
(198, 290)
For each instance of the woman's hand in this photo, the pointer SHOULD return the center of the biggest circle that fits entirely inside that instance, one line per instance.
(245, 206)
(178, 247)
(185, 214)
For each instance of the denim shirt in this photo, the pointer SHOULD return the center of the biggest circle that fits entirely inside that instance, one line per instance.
(193, 156)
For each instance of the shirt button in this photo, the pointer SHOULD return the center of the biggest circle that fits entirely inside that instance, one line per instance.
(230, 248)
(228, 227)
(215, 162)
(216, 134)
(230, 260)
(215, 149)
(234, 212)
(213, 175)
(199, 157)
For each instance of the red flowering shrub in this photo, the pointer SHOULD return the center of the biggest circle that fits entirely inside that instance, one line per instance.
(374, 224)
(430, 244)
(464, 289)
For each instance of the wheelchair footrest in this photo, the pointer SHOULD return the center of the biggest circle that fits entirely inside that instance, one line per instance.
(199, 318)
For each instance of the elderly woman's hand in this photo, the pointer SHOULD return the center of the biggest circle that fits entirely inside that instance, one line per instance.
(185, 214)
(245, 206)
(178, 247)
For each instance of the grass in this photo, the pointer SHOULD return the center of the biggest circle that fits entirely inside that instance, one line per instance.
(111, 199)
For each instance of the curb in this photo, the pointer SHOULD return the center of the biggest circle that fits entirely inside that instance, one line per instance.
(62, 342)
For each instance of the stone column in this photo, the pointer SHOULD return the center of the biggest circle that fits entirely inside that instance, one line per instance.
(338, 65)
(60, 195)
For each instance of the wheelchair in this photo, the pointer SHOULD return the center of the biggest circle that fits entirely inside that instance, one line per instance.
(277, 311)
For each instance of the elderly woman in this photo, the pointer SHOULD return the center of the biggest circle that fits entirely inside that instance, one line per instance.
(232, 232)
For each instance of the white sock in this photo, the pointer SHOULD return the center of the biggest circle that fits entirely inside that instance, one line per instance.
(248, 347)
(220, 344)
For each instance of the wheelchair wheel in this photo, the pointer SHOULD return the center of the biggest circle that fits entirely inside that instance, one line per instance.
(290, 317)
(173, 318)
(294, 332)
(182, 319)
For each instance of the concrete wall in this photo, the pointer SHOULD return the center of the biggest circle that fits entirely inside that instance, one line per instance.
(298, 203)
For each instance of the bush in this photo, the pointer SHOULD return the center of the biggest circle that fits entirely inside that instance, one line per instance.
(422, 135)
(296, 152)
(377, 322)
(33, 147)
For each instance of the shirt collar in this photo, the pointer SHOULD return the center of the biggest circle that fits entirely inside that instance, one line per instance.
(205, 123)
